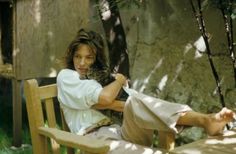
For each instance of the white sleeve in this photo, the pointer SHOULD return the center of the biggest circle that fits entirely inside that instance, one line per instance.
(76, 93)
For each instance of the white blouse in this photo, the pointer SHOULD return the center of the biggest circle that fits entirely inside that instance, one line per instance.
(76, 97)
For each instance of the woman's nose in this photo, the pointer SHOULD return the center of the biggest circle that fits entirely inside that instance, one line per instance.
(82, 61)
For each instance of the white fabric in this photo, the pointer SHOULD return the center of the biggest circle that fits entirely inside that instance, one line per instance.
(75, 94)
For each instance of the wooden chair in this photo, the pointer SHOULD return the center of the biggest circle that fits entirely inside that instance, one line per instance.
(43, 125)
(39, 97)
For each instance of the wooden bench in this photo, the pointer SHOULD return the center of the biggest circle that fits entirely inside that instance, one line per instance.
(222, 144)
(44, 129)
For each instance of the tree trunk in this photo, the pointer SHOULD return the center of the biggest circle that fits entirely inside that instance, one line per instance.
(202, 28)
(115, 36)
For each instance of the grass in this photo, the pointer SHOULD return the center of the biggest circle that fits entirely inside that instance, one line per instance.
(6, 143)
(6, 123)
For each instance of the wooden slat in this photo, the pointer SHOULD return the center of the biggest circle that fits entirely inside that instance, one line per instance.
(72, 140)
(49, 106)
(48, 91)
(66, 128)
(35, 116)
(225, 144)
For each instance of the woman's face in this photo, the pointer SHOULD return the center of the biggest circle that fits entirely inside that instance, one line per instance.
(83, 58)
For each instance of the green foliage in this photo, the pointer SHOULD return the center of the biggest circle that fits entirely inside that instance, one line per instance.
(233, 15)
(226, 5)
(4, 140)
(22, 150)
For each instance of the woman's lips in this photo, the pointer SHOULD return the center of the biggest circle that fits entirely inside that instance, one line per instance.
(83, 70)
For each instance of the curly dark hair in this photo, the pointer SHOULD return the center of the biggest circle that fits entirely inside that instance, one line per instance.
(94, 41)
(100, 70)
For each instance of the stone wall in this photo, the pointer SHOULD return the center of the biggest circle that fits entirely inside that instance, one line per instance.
(165, 60)
(168, 60)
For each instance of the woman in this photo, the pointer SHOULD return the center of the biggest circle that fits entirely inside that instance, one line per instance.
(81, 97)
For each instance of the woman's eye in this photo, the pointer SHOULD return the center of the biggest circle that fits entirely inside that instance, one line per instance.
(90, 57)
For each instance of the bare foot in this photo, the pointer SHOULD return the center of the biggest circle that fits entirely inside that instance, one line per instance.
(215, 123)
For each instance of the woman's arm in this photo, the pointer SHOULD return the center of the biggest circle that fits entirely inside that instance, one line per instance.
(110, 92)
(115, 105)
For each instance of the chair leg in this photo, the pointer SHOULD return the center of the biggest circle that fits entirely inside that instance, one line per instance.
(166, 140)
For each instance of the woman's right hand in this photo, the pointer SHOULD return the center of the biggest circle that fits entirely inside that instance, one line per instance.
(121, 79)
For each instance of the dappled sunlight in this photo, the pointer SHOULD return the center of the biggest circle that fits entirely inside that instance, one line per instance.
(229, 133)
(113, 130)
(178, 70)
(35, 11)
(147, 151)
(105, 10)
(223, 141)
(187, 48)
(158, 152)
(127, 147)
(112, 35)
(52, 57)
(114, 145)
(53, 72)
(135, 84)
(117, 22)
(181, 63)
(150, 100)
(226, 138)
(162, 83)
(200, 47)
(50, 34)
(214, 144)
(15, 52)
(215, 92)
(192, 151)
(133, 147)
(146, 80)
(156, 105)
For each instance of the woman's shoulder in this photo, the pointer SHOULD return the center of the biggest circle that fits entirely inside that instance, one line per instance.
(71, 77)
(67, 74)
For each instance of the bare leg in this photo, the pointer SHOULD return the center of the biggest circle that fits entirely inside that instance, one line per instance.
(212, 123)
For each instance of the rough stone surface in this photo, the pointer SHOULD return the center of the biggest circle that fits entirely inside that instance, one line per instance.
(165, 62)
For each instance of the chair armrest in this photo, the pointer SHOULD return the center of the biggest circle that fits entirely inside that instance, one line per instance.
(75, 141)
